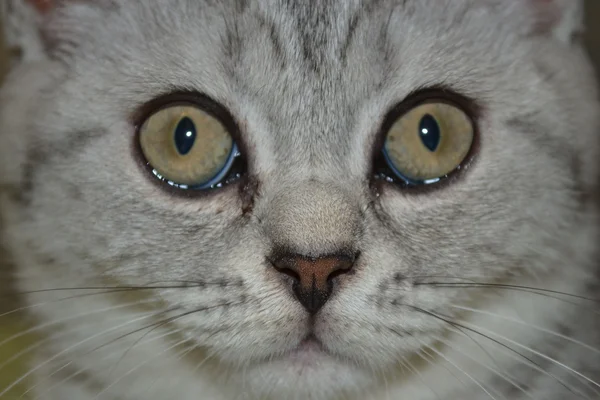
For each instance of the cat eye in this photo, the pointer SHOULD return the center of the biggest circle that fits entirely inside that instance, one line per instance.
(428, 142)
(188, 147)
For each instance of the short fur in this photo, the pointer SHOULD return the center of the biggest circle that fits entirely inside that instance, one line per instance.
(309, 83)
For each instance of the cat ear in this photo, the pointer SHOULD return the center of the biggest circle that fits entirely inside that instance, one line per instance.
(42, 6)
(36, 29)
(21, 21)
(561, 18)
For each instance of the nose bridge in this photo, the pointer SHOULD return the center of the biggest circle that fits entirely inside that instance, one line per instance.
(313, 219)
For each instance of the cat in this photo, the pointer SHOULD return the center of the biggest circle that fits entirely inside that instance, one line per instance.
(295, 199)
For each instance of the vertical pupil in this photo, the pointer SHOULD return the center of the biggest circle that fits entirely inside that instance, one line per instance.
(429, 131)
(185, 136)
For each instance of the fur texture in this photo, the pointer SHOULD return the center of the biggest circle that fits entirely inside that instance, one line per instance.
(309, 84)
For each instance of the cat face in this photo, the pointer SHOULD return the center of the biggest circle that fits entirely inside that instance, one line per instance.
(313, 263)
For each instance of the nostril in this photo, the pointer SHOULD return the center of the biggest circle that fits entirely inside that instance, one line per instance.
(313, 277)
(285, 265)
(344, 267)
(339, 272)
(289, 272)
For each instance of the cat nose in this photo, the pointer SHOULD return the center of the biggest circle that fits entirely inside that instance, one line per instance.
(313, 277)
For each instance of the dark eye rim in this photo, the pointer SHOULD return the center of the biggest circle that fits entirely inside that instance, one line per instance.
(383, 175)
(216, 110)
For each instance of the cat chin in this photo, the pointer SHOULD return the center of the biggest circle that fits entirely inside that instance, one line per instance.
(307, 372)
(311, 371)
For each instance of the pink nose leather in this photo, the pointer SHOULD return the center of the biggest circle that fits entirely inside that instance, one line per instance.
(313, 277)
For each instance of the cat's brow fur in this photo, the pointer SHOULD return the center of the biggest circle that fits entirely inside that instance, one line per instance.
(309, 83)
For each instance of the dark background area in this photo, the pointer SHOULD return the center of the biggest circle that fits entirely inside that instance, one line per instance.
(593, 33)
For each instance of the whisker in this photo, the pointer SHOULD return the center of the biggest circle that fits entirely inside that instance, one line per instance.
(539, 354)
(386, 386)
(473, 284)
(523, 323)
(457, 367)
(179, 356)
(415, 371)
(431, 360)
(86, 369)
(525, 361)
(41, 342)
(158, 324)
(375, 372)
(406, 363)
(29, 349)
(176, 284)
(510, 349)
(491, 369)
(83, 295)
(199, 364)
(162, 323)
(71, 318)
(57, 355)
(531, 289)
(479, 345)
(136, 368)
(104, 332)
(165, 321)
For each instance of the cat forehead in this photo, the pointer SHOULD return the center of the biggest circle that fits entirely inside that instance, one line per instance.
(303, 65)
(263, 44)
(317, 27)
(331, 68)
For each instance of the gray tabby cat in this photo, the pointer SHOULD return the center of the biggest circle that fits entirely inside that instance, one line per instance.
(354, 199)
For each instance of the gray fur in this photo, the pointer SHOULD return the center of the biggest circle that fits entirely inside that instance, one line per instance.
(309, 84)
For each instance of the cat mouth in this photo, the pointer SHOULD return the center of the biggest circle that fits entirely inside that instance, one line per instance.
(307, 352)
(310, 343)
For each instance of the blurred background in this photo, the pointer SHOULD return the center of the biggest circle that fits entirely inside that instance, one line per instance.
(592, 35)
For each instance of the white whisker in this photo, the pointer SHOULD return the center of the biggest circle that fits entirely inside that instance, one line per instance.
(139, 366)
(184, 354)
(50, 338)
(71, 318)
(412, 369)
(431, 360)
(533, 351)
(386, 386)
(522, 359)
(505, 377)
(44, 303)
(523, 323)
(86, 369)
(66, 350)
(457, 367)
